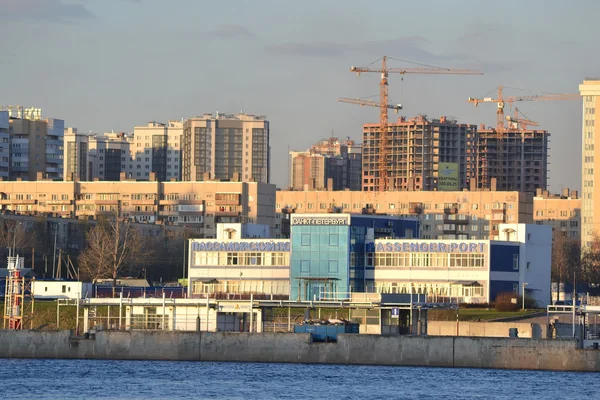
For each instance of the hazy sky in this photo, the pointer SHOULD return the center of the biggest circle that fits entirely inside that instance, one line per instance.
(115, 64)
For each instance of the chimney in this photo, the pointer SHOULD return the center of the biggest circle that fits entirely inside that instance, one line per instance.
(330, 184)
(152, 177)
(123, 176)
(39, 176)
(236, 177)
(206, 176)
(538, 192)
(565, 192)
(473, 185)
(574, 194)
(493, 184)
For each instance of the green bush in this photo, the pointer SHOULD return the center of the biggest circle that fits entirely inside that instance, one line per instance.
(505, 302)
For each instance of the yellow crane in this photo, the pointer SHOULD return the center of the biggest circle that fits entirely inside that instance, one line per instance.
(382, 183)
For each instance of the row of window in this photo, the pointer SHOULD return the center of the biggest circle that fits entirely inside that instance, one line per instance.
(392, 206)
(219, 258)
(441, 260)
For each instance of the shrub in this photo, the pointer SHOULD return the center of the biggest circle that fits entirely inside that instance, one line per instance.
(504, 302)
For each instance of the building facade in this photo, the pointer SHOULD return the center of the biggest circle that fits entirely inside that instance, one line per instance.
(560, 211)
(225, 146)
(522, 166)
(419, 150)
(329, 251)
(156, 148)
(35, 144)
(195, 205)
(590, 157)
(76, 151)
(471, 271)
(109, 155)
(443, 215)
(333, 256)
(330, 164)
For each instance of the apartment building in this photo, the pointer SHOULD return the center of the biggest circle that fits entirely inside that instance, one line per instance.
(4, 146)
(590, 157)
(195, 205)
(560, 211)
(109, 155)
(36, 144)
(330, 164)
(156, 148)
(76, 151)
(419, 149)
(220, 146)
(442, 215)
(518, 159)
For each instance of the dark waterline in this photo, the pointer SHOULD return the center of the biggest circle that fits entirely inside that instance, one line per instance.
(101, 379)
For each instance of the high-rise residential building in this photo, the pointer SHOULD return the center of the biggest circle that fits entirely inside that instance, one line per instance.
(224, 147)
(329, 164)
(423, 154)
(521, 164)
(109, 155)
(590, 157)
(4, 146)
(36, 144)
(156, 148)
(76, 151)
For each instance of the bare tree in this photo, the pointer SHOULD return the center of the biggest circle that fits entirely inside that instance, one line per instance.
(112, 245)
(590, 260)
(566, 260)
(15, 234)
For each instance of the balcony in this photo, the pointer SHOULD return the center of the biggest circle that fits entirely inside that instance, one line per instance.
(451, 210)
(107, 202)
(143, 202)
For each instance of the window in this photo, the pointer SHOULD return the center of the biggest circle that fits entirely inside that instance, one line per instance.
(64, 288)
(528, 265)
(333, 239)
(333, 266)
(305, 239)
(515, 261)
(305, 266)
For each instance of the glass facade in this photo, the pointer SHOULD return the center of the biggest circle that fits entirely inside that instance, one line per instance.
(320, 262)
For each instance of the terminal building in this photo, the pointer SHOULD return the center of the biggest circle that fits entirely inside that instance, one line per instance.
(331, 256)
(467, 271)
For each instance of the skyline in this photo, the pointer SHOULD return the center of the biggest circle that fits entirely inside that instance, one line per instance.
(122, 63)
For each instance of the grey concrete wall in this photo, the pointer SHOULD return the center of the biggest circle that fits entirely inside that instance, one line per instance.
(486, 329)
(439, 351)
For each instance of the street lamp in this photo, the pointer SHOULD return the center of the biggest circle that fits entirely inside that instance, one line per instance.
(524, 284)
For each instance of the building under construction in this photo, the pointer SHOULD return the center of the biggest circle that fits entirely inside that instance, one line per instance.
(418, 151)
(518, 159)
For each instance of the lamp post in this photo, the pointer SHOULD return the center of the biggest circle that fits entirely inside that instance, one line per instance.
(524, 284)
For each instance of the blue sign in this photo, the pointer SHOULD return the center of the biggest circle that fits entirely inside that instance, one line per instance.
(395, 312)
(425, 247)
(269, 245)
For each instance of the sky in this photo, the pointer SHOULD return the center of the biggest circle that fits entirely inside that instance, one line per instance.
(105, 65)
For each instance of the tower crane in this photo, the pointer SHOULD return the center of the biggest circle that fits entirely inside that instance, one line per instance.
(501, 101)
(517, 122)
(500, 128)
(382, 180)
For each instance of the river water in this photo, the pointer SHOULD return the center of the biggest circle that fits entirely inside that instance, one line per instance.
(99, 379)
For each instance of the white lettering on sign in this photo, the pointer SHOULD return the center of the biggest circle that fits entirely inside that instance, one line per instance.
(320, 220)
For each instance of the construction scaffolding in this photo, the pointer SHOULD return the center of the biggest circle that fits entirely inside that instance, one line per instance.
(19, 290)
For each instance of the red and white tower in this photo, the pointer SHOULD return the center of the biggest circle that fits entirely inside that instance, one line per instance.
(17, 290)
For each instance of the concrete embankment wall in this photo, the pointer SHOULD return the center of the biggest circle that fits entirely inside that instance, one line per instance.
(485, 329)
(477, 352)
